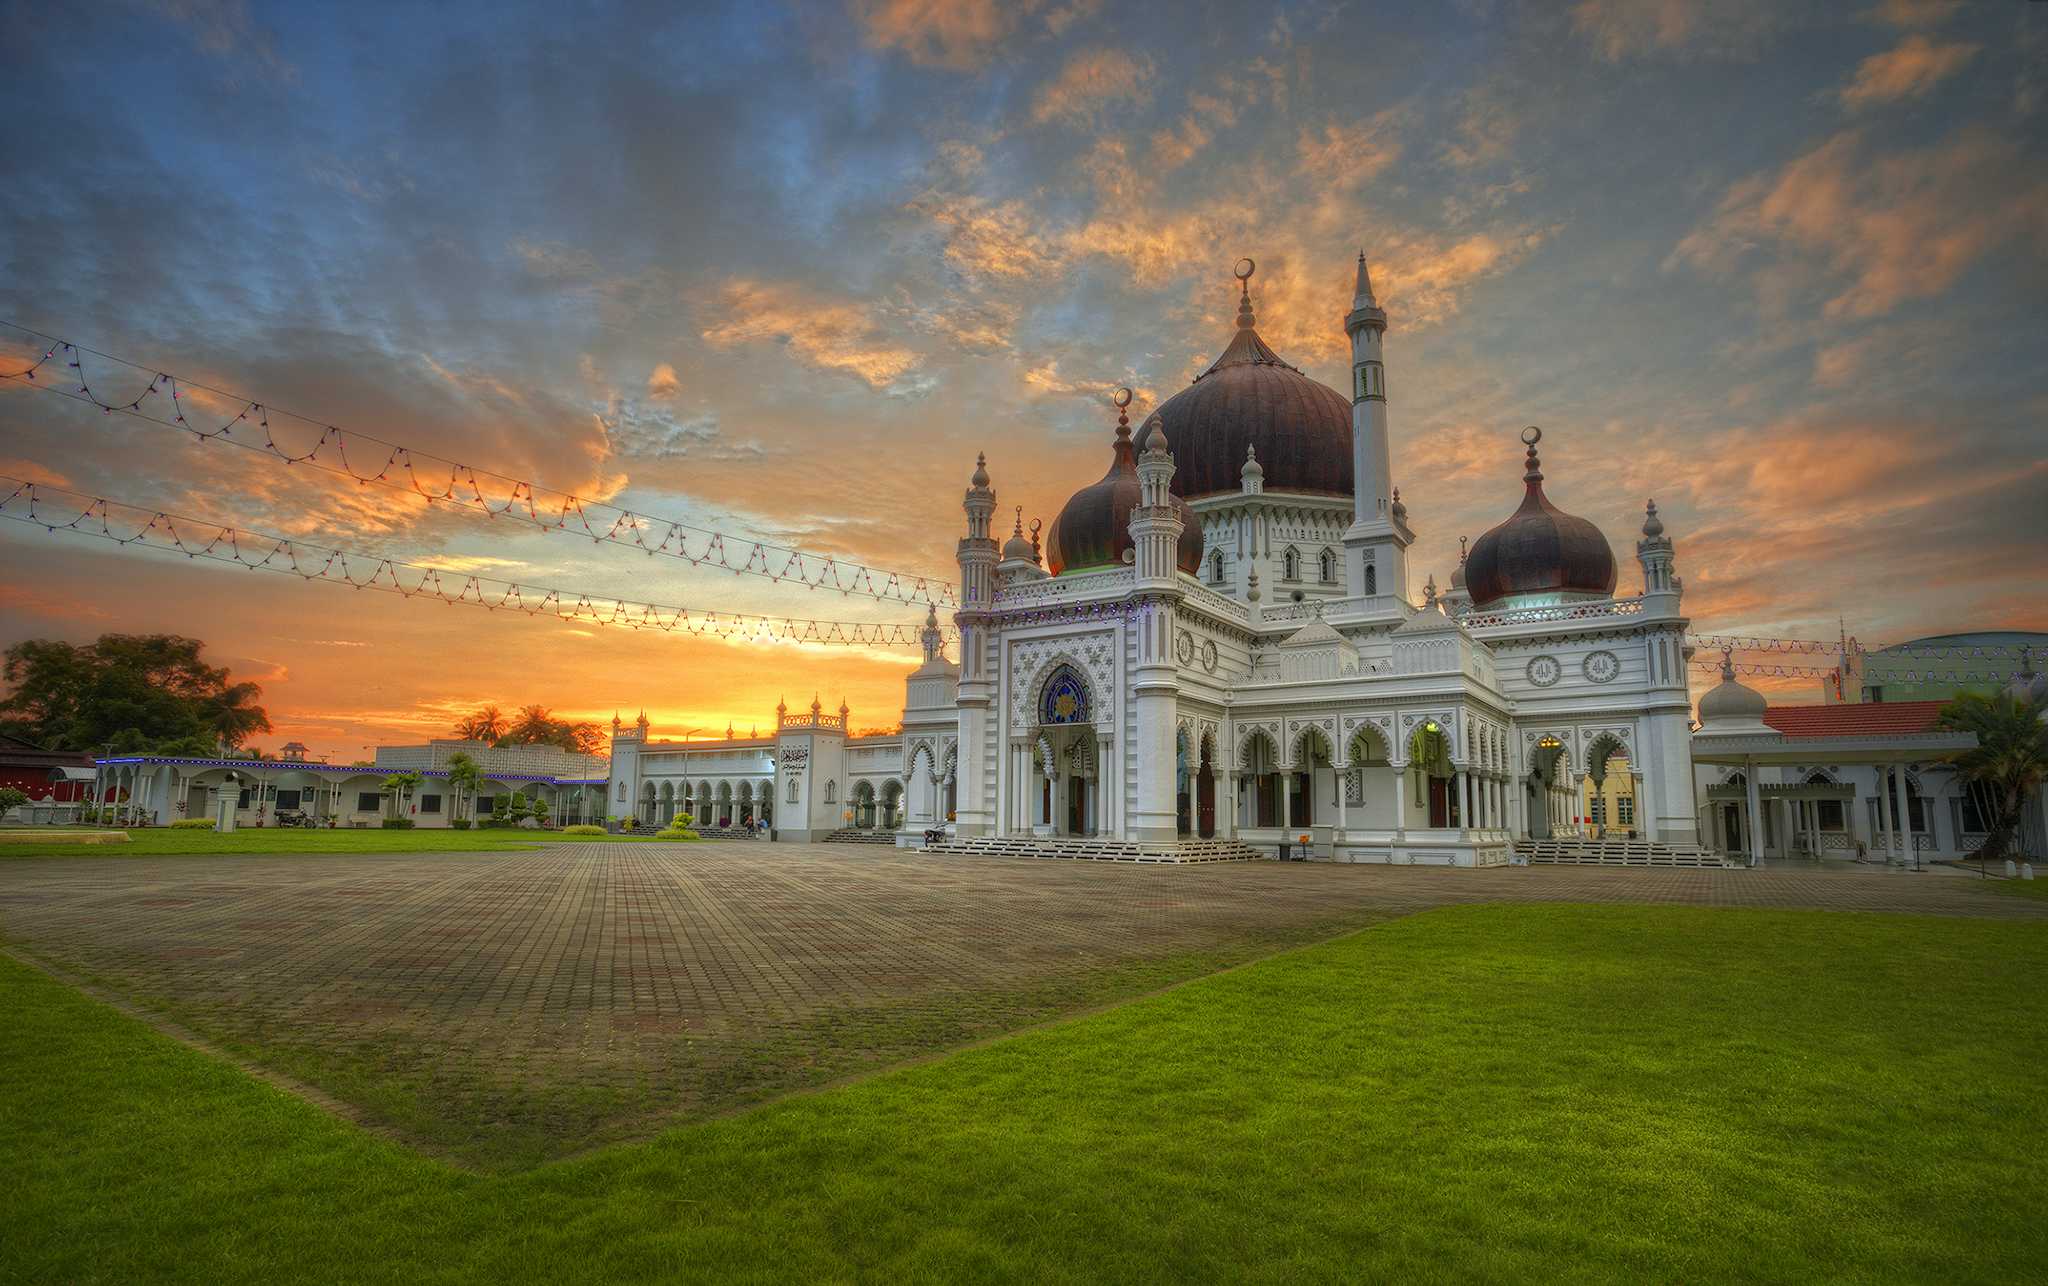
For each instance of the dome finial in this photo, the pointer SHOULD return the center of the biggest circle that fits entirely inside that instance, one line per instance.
(1728, 665)
(1653, 526)
(1243, 272)
(980, 478)
(1121, 399)
(1532, 468)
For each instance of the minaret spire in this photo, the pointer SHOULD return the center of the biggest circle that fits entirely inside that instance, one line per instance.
(1376, 543)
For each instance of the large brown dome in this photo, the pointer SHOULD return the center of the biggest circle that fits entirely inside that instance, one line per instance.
(1094, 528)
(1539, 551)
(1250, 398)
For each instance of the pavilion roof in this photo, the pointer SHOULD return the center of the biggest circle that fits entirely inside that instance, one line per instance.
(1872, 718)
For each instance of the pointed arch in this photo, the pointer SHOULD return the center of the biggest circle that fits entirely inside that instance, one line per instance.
(1312, 748)
(1368, 746)
(1256, 751)
(1065, 697)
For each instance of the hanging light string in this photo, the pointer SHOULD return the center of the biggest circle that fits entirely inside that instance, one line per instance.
(1974, 651)
(58, 510)
(1767, 671)
(164, 403)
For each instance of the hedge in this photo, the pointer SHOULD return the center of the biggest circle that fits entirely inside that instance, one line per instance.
(193, 824)
(585, 829)
(398, 823)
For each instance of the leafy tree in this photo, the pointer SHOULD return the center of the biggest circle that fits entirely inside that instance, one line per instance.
(2009, 761)
(487, 724)
(465, 778)
(10, 798)
(141, 690)
(398, 786)
(537, 726)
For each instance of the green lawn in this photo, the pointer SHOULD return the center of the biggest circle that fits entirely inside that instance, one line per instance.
(1493, 1092)
(163, 841)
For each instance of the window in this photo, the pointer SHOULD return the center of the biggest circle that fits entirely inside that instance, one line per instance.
(1326, 567)
(831, 792)
(430, 803)
(1372, 579)
(287, 799)
(369, 801)
(1290, 565)
(1599, 817)
(243, 801)
(792, 790)
(1216, 567)
(1625, 810)
(622, 792)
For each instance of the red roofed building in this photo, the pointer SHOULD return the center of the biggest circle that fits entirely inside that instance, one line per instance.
(1854, 720)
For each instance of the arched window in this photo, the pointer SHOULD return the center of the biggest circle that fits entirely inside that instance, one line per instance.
(1326, 567)
(1216, 567)
(622, 792)
(831, 792)
(1065, 699)
(1290, 564)
(1372, 579)
(792, 790)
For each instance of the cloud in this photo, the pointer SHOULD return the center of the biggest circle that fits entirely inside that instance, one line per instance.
(1090, 82)
(1628, 28)
(1909, 71)
(824, 334)
(1891, 227)
(1915, 13)
(1837, 365)
(224, 29)
(662, 384)
(15, 466)
(1347, 156)
(985, 239)
(956, 34)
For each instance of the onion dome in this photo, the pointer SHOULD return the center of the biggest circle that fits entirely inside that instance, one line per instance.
(1541, 552)
(1731, 702)
(1094, 529)
(2025, 685)
(1251, 400)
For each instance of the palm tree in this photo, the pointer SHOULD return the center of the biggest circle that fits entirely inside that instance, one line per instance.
(487, 724)
(2009, 761)
(465, 778)
(398, 785)
(233, 715)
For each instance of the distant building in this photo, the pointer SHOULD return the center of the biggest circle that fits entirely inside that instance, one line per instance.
(1934, 668)
(58, 776)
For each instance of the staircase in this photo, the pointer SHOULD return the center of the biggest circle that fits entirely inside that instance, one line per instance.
(1616, 852)
(728, 832)
(861, 835)
(1075, 848)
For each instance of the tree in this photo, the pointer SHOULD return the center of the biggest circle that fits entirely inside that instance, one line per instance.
(399, 785)
(537, 726)
(2009, 761)
(465, 778)
(142, 690)
(487, 724)
(10, 799)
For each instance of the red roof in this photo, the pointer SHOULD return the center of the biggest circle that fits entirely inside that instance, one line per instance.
(1874, 718)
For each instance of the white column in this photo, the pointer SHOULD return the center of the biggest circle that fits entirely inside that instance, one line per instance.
(1400, 798)
(1342, 778)
(1905, 827)
(1470, 818)
(1755, 814)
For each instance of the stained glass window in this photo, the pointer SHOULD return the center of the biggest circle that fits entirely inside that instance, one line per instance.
(1065, 699)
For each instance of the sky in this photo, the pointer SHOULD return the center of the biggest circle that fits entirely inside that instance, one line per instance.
(784, 271)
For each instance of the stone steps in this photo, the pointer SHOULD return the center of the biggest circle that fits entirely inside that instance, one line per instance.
(1074, 848)
(858, 835)
(1616, 852)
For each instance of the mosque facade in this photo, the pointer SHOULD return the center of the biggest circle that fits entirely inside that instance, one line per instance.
(1215, 640)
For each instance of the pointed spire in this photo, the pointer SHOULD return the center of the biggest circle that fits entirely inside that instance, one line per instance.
(1362, 296)
(1429, 592)
(781, 708)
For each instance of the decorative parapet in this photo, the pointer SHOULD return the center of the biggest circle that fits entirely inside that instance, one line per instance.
(1201, 596)
(1559, 612)
(1070, 588)
(813, 719)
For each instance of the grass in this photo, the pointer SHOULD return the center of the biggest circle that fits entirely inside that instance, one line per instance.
(1494, 1092)
(162, 841)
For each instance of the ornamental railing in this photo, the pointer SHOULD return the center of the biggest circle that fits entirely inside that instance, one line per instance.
(1079, 585)
(812, 720)
(1554, 612)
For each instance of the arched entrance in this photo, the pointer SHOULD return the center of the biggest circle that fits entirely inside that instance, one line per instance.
(1205, 789)
(1259, 788)
(1549, 769)
(1430, 772)
(1065, 765)
(1183, 786)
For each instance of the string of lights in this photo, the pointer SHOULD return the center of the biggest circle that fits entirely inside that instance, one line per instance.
(1975, 651)
(465, 487)
(1766, 671)
(57, 510)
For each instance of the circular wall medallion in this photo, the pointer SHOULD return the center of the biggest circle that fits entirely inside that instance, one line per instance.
(1209, 655)
(1184, 648)
(1544, 671)
(1601, 667)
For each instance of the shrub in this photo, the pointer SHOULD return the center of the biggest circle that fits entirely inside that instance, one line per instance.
(193, 824)
(679, 832)
(584, 829)
(398, 823)
(460, 824)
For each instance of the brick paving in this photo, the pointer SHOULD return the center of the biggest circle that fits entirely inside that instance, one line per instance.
(507, 1007)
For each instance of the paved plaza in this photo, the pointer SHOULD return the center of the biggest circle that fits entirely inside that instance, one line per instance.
(502, 1008)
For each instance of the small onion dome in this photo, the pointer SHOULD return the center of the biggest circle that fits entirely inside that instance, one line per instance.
(1249, 398)
(1540, 550)
(980, 478)
(1017, 548)
(1094, 529)
(1730, 701)
(1653, 526)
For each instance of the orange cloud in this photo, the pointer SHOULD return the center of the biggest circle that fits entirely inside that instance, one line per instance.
(956, 34)
(1344, 157)
(1897, 227)
(825, 334)
(1090, 82)
(662, 383)
(1624, 28)
(1909, 71)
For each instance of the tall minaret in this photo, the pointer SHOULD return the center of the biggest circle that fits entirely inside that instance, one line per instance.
(977, 554)
(1376, 543)
(1156, 527)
